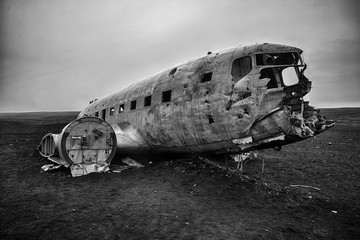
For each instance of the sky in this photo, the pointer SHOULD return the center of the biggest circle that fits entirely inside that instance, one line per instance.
(57, 55)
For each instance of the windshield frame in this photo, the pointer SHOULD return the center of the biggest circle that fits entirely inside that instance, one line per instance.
(291, 58)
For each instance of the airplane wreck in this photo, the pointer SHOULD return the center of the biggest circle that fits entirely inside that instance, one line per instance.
(229, 102)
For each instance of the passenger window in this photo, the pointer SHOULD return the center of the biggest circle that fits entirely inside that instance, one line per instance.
(147, 101)
(241, 67)
(166, 96)
(133, 105)
(103, 113)
(121, 108)
(112, 111)
(206, 77)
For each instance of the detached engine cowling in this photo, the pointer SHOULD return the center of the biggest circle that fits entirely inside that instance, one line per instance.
(85, 145)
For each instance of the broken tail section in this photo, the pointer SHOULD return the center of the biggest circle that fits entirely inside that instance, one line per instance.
(85, 145)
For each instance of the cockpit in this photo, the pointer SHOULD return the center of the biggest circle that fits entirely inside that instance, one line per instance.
(283, 69)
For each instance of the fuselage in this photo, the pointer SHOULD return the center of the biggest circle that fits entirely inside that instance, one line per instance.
(226, 101)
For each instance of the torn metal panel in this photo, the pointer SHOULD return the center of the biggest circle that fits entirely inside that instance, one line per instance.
(132, 163)
(80, 169)
(50, 167)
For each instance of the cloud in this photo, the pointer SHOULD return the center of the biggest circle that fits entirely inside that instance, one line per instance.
(58, 55)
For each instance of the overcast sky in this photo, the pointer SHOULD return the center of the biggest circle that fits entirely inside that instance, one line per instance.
(59, 54)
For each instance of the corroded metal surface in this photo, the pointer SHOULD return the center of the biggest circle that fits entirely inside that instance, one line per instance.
(214, 114)
(233, 101)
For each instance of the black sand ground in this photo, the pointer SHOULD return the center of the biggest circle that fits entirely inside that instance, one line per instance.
(183, 199)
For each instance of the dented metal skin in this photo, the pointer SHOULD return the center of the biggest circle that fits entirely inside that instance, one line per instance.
(232, 101)
(229, 102)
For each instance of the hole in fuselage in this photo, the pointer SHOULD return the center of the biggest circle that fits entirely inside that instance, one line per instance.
(173, 71)
(206, 77)
(211, 119)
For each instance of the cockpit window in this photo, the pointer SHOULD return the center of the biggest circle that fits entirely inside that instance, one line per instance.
(289, 76)
(241, 67)
(289, 58)
(280, 76)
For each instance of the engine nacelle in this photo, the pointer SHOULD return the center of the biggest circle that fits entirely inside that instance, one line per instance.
(85, 145)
